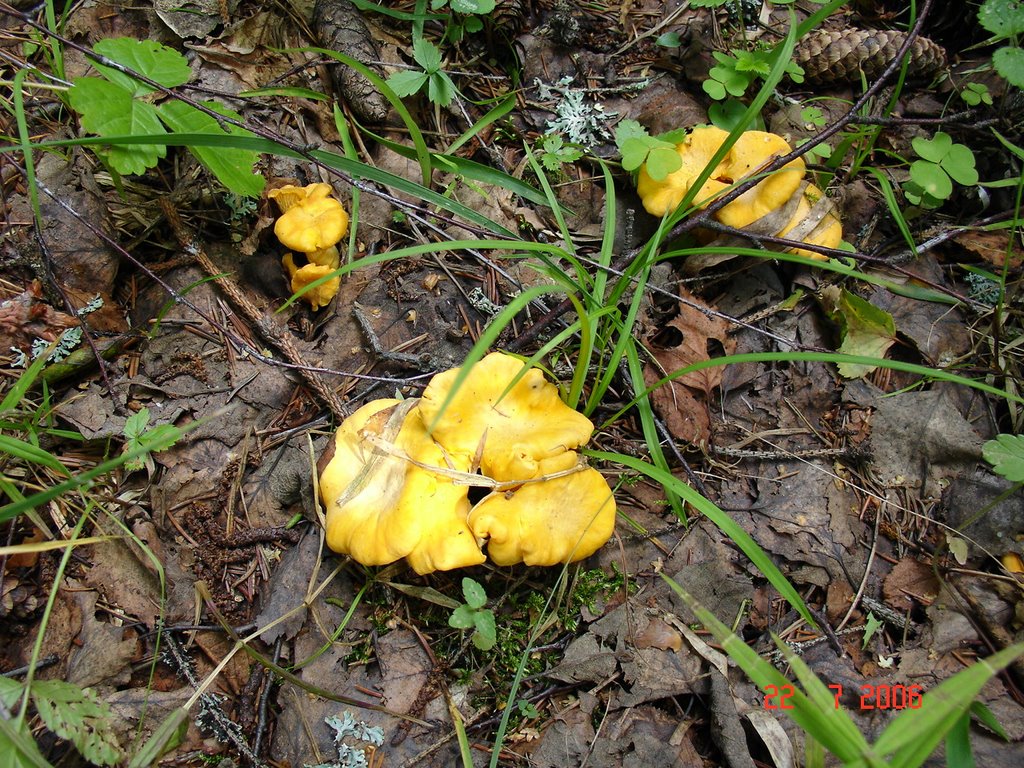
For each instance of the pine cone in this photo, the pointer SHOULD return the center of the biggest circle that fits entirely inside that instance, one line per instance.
(833, 55)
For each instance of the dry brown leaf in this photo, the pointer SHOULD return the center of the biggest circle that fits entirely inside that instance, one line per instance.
(909, 580)
(683, 403)
(992, 247)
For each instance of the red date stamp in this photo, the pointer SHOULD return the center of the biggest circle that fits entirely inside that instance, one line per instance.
(870, 696)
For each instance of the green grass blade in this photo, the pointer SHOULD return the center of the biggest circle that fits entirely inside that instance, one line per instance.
(24, 141)
(16, 394)
(915, 733)
(165, 440)
(830, 726)
(415, 134)
(485, 174)
(726, 524)
(495, 113)
(31, 453)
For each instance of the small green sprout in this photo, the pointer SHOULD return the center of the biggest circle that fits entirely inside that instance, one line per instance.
(735, 72)
(440, 88)
(527, 709)
(974, 94)
(554, 151)
(139, 435)
(941, 163)
(473, 615)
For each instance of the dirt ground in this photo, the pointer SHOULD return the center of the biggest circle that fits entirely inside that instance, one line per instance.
(869, 492)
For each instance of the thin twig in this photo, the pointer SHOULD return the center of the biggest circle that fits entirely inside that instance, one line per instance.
(268, 327)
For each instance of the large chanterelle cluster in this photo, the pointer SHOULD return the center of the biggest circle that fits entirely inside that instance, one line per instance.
(398, 484)
(783, 191)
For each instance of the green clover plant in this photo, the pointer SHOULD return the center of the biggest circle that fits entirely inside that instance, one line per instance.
(117, 105)
(974, 94)
(656, 153)
(473, 615)
(735, 72)
(941, 163)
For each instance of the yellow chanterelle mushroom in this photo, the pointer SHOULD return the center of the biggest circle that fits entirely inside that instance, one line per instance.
(311, 223)
(398, 482)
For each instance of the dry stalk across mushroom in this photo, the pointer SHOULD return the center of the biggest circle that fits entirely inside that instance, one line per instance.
(398, 484)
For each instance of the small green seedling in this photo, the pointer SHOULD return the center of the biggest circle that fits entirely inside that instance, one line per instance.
(974, 94)
(465, 18)
(656, 153)
(117, 105)
(941, 163)
(473, 615)
(440, 88)
(735, 72)
(139, 435)
(527, 709)
(1005, 20)
(1006, 455)
(554, 151)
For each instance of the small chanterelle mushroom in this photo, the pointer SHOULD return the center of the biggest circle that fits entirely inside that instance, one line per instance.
(311, 223)
(757, 208)
(399, 480)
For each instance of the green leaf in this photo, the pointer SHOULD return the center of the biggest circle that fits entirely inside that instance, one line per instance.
(1006, 455)
(17, 747)
(440, 89)
(407, 82)
(870, 627)
(147, 57)
(634, 152)
(931, 178)
(933, 149)
(958, 744)
(486, 634)
(668, 40)
(714, 89)
(866, 330)
(629, 129)
(663, 160)
(462, 617)
(959, 164)
(727, 114)
(986, 718)
(475, 595)
(232, 167)
(10, 692)
(135, 424)
(427, 55)
(79, 715)
(472, 6)
(1003, 18)
(1009, 62)
(109, 110)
